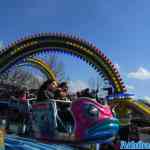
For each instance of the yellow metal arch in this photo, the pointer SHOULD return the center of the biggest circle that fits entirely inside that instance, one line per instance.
(40, 64)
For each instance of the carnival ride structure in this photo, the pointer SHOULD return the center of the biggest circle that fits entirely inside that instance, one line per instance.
(139, 109)
(93, 122)
(66, 44)
(59, 42)
(41, 65)
(125, 101)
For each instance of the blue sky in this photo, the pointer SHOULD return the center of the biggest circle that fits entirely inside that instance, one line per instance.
(120, 28)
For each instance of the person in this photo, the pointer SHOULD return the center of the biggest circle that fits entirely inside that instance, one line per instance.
(20, 100)
(87, 92)
(84, 93)
(47, 90)
(23, 95)
(93, 94)
(62, 91)
(65, 120)
(79, 94)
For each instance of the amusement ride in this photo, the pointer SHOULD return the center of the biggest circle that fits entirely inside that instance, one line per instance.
(88, 121)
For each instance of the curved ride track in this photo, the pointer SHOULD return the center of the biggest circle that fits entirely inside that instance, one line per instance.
(41, 65)
(132, 104)
(59, 42)
(47, 70)
(51, 75)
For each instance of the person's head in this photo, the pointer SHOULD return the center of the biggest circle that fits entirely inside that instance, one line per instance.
(78, 94)
(87, 90)
(52, 86)
(64, 87)
(63, 90)
(49, 85)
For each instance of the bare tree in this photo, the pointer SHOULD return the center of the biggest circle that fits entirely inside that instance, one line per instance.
(57, 66)
(20, 78)
(55, 63)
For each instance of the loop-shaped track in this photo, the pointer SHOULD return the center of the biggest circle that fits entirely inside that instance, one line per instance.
(68, 44)
(41, 65)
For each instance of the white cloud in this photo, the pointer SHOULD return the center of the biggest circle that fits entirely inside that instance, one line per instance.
(117, 66)
(141, 74)
(147, 99)
(130, 87)
(77, 85)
